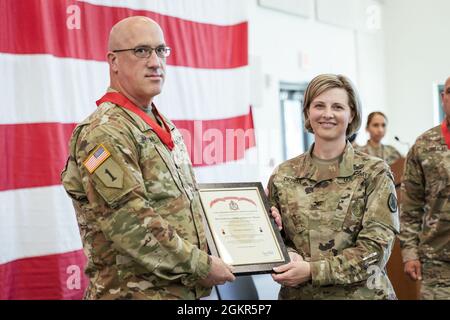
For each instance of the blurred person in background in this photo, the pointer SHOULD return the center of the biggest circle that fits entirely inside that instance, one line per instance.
(376, 128)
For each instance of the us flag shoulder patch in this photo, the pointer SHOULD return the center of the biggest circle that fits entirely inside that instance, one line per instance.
(96, 158)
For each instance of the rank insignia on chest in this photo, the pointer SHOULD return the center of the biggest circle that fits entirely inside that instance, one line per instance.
(96, 158)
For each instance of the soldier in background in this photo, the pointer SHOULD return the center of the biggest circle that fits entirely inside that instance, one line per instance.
(338, 205)
(376, 127)
(132, 183)
(425, 209)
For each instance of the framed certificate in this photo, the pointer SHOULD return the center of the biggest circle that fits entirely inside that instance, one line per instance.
(240, 229)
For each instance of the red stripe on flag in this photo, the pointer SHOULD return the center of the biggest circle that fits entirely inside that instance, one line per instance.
(51, 277)
(217, 141)
(33, 155)
(40, 27)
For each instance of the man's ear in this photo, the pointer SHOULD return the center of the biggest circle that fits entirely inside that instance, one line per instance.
(112, 61)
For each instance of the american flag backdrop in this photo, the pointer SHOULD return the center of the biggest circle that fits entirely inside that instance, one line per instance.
(53, 69)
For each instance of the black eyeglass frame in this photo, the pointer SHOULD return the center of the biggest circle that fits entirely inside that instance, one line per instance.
(148, 51)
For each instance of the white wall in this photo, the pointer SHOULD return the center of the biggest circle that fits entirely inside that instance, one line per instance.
(417, 58)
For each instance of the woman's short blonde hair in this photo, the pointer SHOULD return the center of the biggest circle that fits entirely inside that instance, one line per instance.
(324, 82)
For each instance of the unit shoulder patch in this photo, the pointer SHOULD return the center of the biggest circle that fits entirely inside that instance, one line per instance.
(392, 203)
(110, 173)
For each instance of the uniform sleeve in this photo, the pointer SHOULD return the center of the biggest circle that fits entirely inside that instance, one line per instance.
(373, 243)
(117, 190)
(412, 206)
(274, 201)
(273, 192)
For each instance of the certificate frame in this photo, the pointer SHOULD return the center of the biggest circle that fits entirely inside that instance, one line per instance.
(215, 241)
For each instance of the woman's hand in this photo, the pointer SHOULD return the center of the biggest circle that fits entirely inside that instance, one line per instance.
(275, 213)
(294, 273)
(277, 216)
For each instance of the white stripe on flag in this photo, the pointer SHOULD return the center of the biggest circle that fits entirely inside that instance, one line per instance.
(244, 170)
(35, 222)
(65, 90)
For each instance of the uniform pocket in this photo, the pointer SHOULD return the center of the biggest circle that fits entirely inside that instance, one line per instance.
(442, 205)
(350, 209)
(293, 211)
(353, 220)
(128, 268)
(160, 180)
(183, 164)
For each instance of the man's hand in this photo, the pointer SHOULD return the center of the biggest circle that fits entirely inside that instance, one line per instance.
(294, 273)
(277, 216)
(219, 274)
(413, 269)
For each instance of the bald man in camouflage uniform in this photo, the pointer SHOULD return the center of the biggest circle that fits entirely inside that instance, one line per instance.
(342, 219)
(134, 193)
(425, 210)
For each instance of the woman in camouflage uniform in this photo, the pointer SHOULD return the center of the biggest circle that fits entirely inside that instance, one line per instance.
(338, 206)
(376, 127)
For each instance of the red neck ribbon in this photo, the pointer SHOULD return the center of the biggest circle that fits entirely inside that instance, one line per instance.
(122, 101)
(446, 133)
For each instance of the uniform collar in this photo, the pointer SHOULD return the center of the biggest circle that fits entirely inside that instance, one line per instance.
(369, 146)
(309, 170)
(441, 135)
(141, 124)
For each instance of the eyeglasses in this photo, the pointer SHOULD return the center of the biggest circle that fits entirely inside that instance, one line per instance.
(146, 51)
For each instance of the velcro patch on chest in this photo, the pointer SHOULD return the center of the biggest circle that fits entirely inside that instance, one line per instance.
(392, 203)
(110, 173)
(96, 158)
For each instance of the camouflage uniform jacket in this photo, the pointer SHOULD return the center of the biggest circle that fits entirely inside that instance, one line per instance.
(345, 226)
(139, 212)
(386, 152)
(425, 207)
